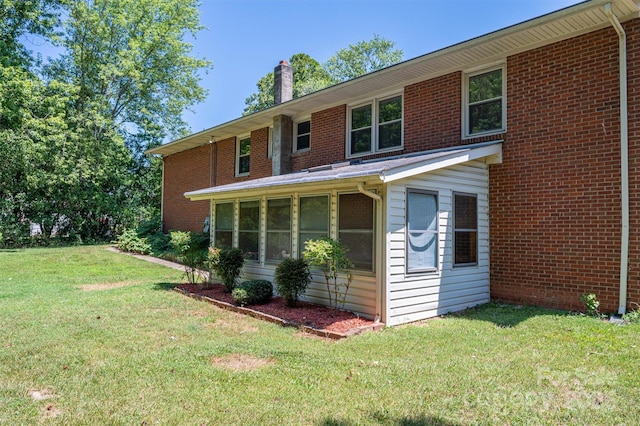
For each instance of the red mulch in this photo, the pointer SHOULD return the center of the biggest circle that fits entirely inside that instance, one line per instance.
(315, 316)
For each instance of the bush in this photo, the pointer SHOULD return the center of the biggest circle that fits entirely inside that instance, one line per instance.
(292, 278)
(254, 292)
(160, 242)
(149, 227)
(129, 241)
(331, 257)
(226, 263)
(189, 252)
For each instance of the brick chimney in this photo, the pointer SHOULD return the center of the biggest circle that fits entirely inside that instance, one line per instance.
(282, 124)
(283, 83)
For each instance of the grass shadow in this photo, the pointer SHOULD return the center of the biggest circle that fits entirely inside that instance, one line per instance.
(164, 286)
(422, 420)
(506, 315)
(11, 250)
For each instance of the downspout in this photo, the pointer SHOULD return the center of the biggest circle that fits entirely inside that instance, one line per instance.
(162, 197)
(624, 160)
(380, 291)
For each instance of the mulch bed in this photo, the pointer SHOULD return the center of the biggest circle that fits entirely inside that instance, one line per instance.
(312, 318)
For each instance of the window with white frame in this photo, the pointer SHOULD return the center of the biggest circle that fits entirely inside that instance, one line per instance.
(243, 156)
(313, 219)
(484, 111)
(355, 228)
(375, 126)
(465, 229)
(278, 229)
(223, 228)
(421, 231)
(249, 229)
(303, 136)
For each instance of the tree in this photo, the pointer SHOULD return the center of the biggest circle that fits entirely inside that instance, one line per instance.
(362, 58)
(134, 75)
(309, 76)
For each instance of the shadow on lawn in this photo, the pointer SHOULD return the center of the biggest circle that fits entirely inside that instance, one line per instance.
(423, 420)
(164, 286)
(506, 315)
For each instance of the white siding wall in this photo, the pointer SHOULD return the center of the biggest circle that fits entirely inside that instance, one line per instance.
(416, 296)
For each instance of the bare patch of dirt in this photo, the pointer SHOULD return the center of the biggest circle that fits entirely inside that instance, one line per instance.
(308, 314)
(41, 394)
(107, 286)
(240, 362)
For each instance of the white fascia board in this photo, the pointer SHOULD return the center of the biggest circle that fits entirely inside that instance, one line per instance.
(410, 170)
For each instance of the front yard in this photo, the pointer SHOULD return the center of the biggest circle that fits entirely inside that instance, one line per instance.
(93, 337)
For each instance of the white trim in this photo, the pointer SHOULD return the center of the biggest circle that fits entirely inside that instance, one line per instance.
(375, 125)
(239, 139)
(465, 100)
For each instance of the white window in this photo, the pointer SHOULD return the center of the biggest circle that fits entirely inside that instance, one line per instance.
(375, 127)
(422, 231)
(355, 228)
(303, 136)
(313, 220)
(484, 110)
(223, 233)
(278, 229)
(249, 229)
(243, 153)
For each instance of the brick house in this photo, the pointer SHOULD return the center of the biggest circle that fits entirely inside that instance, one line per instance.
(506, 167)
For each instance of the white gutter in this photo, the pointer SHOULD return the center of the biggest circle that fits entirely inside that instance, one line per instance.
(624, 158)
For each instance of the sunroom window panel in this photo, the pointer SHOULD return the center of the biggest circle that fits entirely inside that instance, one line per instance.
(223, 234)
(313, 219)
(278, 229)
(355, 223)
(422, 232)
(249, 229)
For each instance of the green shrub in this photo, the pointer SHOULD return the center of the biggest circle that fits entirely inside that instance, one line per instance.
(130, 242)
(633, 316)
(149, 227)
(226, 263)
(591, 303)
(331, 257)
(160, 242)
(292, 278)
(189, 252)
(254, 292)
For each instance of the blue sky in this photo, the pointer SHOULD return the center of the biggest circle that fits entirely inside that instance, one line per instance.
(245, 39)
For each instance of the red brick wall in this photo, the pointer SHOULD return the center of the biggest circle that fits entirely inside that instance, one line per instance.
(554, 202)
(189, 171)
(185, 171)
(328, 132)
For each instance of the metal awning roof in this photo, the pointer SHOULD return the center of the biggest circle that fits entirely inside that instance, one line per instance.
(563, 24)
(370, 172)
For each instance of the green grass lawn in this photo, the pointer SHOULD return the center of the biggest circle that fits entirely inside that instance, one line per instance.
(93, 337)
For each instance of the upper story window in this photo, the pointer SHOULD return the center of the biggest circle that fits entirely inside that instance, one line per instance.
(484, 110)
(375, 127)
(243, 152)
(303, 136)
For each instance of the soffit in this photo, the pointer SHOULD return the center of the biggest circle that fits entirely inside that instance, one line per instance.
(490, 48)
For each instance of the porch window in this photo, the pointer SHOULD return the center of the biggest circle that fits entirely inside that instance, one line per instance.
(249, 229)
(223, 234)
(355, 228)
(243, 156)
(485, 103)
(465, 232)
(422, 231)
(313, 219)
(278, 229)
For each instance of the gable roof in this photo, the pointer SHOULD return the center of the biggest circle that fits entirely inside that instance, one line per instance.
(373, 171)
(560, 25)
